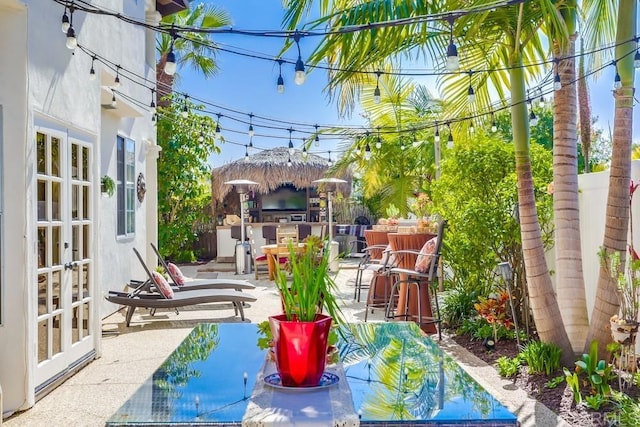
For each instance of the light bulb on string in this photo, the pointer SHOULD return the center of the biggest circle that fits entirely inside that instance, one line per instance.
(415, 143)
(251, 131)
(453, 64)
(330, 162)
(378, 140)
(376, 91)
(218, 130)
(450, 139)
(367, 152)
(246, 153)
(472, 128)
(280, 81)
(471, 94)
(116, 81)
(304, 152)
(557, 84)
(636, 59)
(201, 136)
(291, 149)
(250, 148)
(617, 81)
(152, 106)
(300, 75)
(65, 21)
(289, 162)
(71, 42)
(185, 108)
(494, 125)
(170, 64)
(533, 119)
(541, 101)
(316, 141)
(436, 135)
(92, 71)
(114, 103)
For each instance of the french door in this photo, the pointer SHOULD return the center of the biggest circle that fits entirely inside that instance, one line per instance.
(64, 285)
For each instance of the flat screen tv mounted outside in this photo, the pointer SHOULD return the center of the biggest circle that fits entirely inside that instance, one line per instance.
(285, 198)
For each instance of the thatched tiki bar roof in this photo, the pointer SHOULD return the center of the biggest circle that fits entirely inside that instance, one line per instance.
(269, 169)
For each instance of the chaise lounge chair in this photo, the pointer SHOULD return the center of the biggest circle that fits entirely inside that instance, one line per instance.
(187, 284)
(165, 297)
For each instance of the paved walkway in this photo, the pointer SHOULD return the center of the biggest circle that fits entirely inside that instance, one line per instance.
(130, 355)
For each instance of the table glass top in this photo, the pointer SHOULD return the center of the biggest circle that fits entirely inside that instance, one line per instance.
(394, 373)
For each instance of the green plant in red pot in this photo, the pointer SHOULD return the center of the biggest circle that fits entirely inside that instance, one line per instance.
(300, 334)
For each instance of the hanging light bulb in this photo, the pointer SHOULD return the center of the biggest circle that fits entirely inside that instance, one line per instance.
(300, 75)
(185, 108)
(170, 65)
(251, 132)
(201, 137)
(316, 141)
(541, 100)
(471, 94)
(251, 149)
(92, 71)
(376, 91)
(617, 81)
(450, 140)
(330, 162)
(291, 149)
(114, 103)
(72, 42)
(378, 140)
(304, 152)
(152, 106)
(116, 81)
(289, 162)
(453, 64)
(65, 21)
(472, 128)
(246, 154)
(494, 125)
(533, 119)
(415, 143)
(636, 59)
(367, 152)
(218, 130)
(436, 135)
(280, 82)
(153, 118)
(557, 84)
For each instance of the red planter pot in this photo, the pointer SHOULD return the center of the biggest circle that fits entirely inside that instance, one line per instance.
(300, 349)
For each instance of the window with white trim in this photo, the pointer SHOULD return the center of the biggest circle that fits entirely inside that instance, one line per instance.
(126, 187)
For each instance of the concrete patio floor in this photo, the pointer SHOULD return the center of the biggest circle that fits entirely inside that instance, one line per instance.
(131, 354)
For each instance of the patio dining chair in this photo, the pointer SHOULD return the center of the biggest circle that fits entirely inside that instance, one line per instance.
(423, 279)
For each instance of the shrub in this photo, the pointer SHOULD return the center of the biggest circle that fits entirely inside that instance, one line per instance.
(541, 357)
(478, 328)
(458, 303)
(507, 366)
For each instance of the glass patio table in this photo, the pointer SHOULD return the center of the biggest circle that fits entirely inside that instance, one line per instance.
(396, 375)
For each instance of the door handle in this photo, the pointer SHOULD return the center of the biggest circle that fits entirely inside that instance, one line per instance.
(70, 265)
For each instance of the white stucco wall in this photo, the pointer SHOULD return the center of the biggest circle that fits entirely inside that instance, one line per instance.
(45, 83)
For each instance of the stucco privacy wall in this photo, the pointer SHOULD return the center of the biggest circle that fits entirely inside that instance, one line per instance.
(45, 84)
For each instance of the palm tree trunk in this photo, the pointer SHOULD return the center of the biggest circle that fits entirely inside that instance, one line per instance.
(584, 112)
(544, 306)
(164, 82)
(617, 215)
(568, 252)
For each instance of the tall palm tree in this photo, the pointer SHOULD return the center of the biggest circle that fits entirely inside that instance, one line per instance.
(505, 37)
(191, 48)
(568, 256)
(617, 213)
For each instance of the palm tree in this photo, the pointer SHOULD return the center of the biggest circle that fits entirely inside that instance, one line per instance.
(617, 213)
(568, 257)
(194, 48)
(507, 37)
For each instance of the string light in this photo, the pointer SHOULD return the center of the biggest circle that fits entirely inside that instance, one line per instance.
(533, 119)
(376, 91)
(317, 138)
(289, 163)
(450, 140)
(246, 153)
(330, 162)
(65, 21)
(291, 149)
(436, 135)
(541, 101)
(300, 75)
(280, 82)
(218, 130)
(367, 152)
(185, 108)
(472, 129)
(170, 65)
(152, 106)
(557, 84)
(617, 81)
(251, 149)
(71, 42)
(92, 71)
(416, 143)
(251, 132)
(471, 97)
(636, 59)
(114, 103)
(378, 140)
(116, 81)
(494, 125)
(453, 64)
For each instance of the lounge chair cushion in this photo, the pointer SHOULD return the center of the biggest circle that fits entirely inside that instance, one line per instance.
(426, 254)
(162, 285)
(176, 273)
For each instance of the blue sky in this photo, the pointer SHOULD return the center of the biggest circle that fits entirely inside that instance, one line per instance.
(249, 85)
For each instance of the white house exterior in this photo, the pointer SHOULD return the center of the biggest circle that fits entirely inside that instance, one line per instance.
(62, 243)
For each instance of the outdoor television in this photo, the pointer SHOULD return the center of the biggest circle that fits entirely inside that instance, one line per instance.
(285, 198)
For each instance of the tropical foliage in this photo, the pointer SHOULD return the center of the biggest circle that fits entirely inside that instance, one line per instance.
(183, 189)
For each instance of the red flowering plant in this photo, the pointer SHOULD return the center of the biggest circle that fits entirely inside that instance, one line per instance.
(494, 310)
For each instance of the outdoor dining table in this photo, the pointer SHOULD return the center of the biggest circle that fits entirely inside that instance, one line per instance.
(411, 241)
(271, 251)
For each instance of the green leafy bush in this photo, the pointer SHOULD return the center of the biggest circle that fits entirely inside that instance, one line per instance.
(458, 303)
(478, 328)
(507, 366)
(542, 358)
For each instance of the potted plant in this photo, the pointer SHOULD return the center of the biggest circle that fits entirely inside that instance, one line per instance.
(300, 334)
(107, 185)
